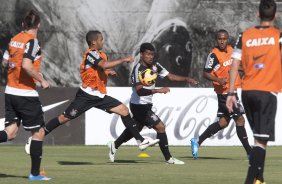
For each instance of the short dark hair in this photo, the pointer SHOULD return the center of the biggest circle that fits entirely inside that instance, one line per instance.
(31, 20)
(267, 10)
(221, 31)
(92, 35)
(146, 46)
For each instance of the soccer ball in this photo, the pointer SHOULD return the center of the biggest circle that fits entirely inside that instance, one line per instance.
(147, 77)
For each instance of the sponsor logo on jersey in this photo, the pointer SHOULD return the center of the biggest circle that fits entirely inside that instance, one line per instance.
(227, 63)
(16, 44)
(259, 65)
(216, 67)
(209, 62)
(260, 42)
(90, 59)
(154, 68)
(95, 54)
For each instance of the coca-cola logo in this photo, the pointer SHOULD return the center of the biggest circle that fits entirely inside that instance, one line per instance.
(186, 120)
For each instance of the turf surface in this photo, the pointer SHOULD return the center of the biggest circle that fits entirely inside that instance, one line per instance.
(89, 164)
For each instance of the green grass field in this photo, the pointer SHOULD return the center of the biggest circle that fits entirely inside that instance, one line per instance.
(89, 164)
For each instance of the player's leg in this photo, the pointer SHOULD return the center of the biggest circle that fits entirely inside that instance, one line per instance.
(9, 133)
(262, 122)
(163, 144)
(32, 116)
(123, 111)
(79, 105)
(36, 150)
(240, 125)
(12, 119)
(242, 134)
(124, 137)
(212, 129)
(128, 122)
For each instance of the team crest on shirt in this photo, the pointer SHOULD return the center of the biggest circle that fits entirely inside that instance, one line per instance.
(73, 112)
(154, 117)
(154, 68)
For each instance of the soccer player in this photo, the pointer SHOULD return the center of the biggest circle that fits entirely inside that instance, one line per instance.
(258, 48)
(141, 103)
(22, 103)
(92, 93)
(217, 70)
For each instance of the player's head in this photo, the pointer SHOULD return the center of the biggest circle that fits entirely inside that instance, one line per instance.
(147, 53)
(267, 10)
(31, 20)
(222, 37)
(95, 39)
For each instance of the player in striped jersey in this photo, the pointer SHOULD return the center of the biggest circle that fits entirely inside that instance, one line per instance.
(141, 102)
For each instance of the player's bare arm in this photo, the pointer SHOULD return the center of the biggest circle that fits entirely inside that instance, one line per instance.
(28, 67)
(173, 77)
(231, 100)
(208, 76)
(110, 64)
(141, 91)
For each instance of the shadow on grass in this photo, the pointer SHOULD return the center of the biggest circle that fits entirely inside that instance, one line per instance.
(74, 163)
(10, 176)
(122, 162)
(208, 158)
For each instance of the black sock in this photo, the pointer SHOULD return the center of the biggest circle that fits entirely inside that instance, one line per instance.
(35, 155)
(51, 125)
(242, 135)
(3, 136)
(163, 144)
(210, 131)
(124, 137)
(256, 165)
(132, 127)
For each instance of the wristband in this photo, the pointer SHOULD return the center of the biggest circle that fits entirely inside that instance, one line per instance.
(231, 94)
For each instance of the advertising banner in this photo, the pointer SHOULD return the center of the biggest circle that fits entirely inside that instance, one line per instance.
(186, 112)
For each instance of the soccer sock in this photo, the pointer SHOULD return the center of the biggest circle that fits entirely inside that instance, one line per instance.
(132, 127)
(51, 125)
(242, 135)
(35, 155)
(163, 144)
(210, 131)
(261, 156)
(256, 165)
(124, 137)
(3, 136)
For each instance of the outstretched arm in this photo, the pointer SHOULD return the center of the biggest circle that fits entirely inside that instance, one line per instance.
(110, 64)
(146, 92)
(173, 77)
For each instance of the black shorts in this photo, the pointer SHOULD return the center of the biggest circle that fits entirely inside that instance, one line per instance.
(83, 101)
(25, 110)
(261, 109)
(144, 115)
(222, 109)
